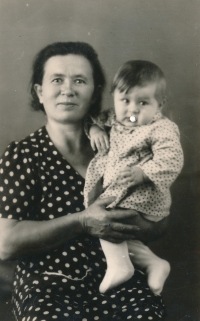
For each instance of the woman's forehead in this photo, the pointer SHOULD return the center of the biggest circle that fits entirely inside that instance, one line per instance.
(68, 64)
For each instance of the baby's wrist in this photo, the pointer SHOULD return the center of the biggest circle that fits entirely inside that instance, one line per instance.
(94, 129)
(145, 178)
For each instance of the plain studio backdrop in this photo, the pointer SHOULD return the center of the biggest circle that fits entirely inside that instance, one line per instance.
(164, 32)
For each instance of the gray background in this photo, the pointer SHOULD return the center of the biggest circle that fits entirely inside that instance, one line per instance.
(164, 32)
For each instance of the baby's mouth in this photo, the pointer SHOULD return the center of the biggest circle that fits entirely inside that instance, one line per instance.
(133, 119)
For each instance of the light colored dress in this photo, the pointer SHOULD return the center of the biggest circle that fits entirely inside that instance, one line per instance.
(155, 148)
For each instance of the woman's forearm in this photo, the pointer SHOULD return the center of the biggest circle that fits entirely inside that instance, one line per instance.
(20, 238)
(155, 230)
(149, 231)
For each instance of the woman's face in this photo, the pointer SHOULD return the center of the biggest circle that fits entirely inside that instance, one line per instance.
(67, 88)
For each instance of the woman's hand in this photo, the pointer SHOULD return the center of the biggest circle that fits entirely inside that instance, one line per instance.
(107, 225)
(149, 231)
(98, 139)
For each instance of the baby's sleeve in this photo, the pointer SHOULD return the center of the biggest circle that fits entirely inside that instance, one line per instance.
(17, 182)
(167, 160)
(103, 120)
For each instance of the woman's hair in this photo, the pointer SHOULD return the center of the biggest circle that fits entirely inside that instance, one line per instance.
(139, 73)
(67, 48)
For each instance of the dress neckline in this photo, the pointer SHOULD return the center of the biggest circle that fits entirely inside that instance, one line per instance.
(60, 155)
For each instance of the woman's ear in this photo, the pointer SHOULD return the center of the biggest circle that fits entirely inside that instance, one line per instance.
(96, 93)
(38, 90)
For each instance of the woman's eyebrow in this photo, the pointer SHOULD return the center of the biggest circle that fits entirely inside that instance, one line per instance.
(80, 76)
(74, 76)
(57, 75)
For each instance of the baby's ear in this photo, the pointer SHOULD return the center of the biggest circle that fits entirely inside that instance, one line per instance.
(162, 103)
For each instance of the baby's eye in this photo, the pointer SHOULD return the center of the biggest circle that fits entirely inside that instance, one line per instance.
(143, 103)
(125, 100)
(79, 81)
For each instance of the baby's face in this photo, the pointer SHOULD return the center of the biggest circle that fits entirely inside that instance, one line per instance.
(136, 107)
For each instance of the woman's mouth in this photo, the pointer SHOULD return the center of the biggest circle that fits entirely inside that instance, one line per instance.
(68, 103)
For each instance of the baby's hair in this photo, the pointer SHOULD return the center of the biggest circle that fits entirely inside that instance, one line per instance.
(139, 73)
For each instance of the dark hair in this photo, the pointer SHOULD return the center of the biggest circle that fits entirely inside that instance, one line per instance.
(66, 48)
(139, 73)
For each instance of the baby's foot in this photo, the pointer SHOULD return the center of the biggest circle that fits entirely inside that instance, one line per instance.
(115, 276)
(157, 273)
(119, 267)
(156, 268)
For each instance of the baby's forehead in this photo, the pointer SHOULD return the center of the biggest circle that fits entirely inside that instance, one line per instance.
(147, 88)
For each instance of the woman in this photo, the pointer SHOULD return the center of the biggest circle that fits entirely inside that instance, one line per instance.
(43, 222)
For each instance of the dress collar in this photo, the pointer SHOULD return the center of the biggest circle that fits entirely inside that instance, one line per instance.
(122, 128)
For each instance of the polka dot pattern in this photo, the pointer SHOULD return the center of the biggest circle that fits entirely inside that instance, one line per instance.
(156, 149)
(61, 284)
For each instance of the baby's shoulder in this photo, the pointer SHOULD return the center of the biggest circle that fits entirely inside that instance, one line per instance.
(165, 122)
(164, 127)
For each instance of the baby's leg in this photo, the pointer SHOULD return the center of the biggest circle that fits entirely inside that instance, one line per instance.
(119, 266)
(156, 268)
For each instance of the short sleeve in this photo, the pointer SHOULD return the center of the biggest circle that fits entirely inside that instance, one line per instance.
(17, 182)
(103, 120)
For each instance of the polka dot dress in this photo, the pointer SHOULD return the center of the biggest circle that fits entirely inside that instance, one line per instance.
(37, 183)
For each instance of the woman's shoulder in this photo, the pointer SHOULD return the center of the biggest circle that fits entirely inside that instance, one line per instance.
(35, 137)
(31, 140)
(25, 148)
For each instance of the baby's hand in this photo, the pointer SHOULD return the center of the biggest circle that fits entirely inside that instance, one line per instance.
(98, 139)
(132, 176)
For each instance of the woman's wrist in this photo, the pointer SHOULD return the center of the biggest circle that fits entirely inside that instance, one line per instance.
(81, 219)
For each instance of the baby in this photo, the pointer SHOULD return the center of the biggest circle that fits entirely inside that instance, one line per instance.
(143, 158)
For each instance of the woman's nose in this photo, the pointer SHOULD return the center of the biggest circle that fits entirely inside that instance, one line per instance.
(67, 88)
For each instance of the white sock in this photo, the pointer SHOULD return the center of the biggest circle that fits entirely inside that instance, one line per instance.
(157, 273)
(156, 268)
(119, 266)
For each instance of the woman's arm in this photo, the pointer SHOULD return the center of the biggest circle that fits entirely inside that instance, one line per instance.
(149, 231)
(19, 238)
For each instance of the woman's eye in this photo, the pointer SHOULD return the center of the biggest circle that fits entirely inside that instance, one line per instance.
(57, 80)
(79, 81)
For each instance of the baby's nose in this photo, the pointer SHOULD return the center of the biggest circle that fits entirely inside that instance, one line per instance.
(133, 108)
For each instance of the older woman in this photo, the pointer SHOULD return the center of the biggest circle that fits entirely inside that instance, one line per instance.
(43, 222)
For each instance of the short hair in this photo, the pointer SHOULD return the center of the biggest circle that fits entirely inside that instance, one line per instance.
(67, 48)
(139, 73)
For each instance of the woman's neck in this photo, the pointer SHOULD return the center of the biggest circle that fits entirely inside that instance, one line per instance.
(72, 143)
(67, 135)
